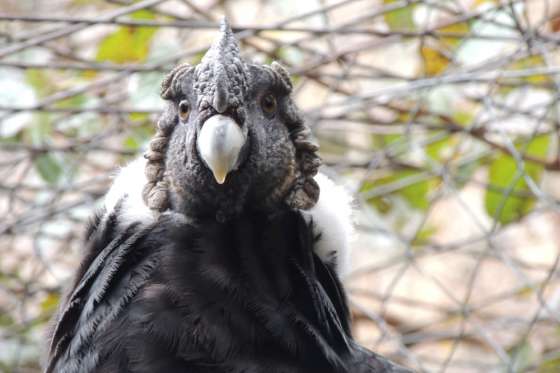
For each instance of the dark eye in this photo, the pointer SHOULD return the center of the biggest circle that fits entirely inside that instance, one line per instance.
(268, 105)
(184, 110)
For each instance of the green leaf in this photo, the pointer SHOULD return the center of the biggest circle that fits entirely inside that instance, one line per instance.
(76, 101)
(434, 149)
(392, 138)
(435, 55)
(522, 356)
(508, 204)
(39, 132)
(463, 117)
(524, 64)
(130, 143)
(39, 80)
(138, 137)
(6, 320)
(414, 192)
(480, 2)
(50, 303)
(139, 117)
(434, 61)
(423, 236)
(456, 32)
(401, 19)
(48, 168)
(127, 44)
(550, 366)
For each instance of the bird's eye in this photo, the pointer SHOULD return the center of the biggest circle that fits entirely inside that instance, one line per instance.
(268, 105)
(184, 110)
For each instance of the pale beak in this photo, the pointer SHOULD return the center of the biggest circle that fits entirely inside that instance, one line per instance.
(219, 143)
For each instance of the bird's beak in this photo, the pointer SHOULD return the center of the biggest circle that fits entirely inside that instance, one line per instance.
(219, 143)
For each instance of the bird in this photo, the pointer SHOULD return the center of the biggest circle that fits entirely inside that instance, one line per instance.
(222, 248)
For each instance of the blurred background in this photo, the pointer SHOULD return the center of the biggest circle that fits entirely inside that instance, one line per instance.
(441, 117)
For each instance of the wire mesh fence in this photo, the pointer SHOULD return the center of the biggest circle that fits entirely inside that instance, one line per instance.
(441, 117)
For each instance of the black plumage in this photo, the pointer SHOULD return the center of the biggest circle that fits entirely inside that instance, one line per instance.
(223, 277)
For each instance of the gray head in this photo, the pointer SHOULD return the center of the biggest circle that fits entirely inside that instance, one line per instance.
(230, 139)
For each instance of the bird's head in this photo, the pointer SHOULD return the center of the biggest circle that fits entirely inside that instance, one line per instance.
(230, 139)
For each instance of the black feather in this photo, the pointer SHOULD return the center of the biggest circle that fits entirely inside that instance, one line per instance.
(247, 295)
(226, 278)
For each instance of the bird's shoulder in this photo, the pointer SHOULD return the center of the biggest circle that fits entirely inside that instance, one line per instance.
(331, 217)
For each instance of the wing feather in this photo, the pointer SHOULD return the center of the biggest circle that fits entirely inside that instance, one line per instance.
(112, 274)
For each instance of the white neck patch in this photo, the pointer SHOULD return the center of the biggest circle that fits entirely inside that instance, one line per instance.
(331, 216)
(127, 186)
(333, 222)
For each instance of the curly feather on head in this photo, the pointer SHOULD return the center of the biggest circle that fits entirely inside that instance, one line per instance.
(155, 193)
(303, 191)
(221, 85)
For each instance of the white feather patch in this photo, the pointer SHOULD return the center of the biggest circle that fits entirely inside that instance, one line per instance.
(331, 216)
(332, 219)
(128, 184)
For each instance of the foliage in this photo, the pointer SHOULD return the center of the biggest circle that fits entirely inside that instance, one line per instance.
(441, 116)
(510, 198)
(128, 44)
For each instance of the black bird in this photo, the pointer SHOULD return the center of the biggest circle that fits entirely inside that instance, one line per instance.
(215, 253)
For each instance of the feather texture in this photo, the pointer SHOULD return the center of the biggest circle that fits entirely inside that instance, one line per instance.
(186, 274)
(248, 295)
(332, 215)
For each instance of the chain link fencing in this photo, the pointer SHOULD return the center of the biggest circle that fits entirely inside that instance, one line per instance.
(440, 117)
